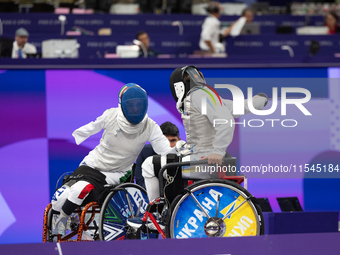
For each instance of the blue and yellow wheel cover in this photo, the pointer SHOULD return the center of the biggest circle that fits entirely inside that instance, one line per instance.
(188, 219)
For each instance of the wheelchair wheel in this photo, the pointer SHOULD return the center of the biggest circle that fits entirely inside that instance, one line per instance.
(215, 208)
(52, 217)
(72, 226)
(122, 203)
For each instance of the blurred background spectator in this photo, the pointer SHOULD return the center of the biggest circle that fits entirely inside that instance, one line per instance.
(248, 14)
(192, 34)
(315, 7)
(144, 39)
(235, 29)
(21, 47)
(210, 34)
(331, 21)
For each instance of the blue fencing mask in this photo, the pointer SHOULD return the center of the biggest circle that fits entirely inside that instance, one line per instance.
(134, 102)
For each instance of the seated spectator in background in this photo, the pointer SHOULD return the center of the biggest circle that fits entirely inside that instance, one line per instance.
(210, 34)
(143, 37)
(171, 132)
(235, 29)
(248, 14)
(331, 22)
(20, 46)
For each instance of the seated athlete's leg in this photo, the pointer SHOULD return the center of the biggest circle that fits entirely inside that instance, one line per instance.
(191, 172)
(73, 198)
(70, 198)
(152, 189)
(116, 177)
(78, 192)
(60, 197)
(151, 181)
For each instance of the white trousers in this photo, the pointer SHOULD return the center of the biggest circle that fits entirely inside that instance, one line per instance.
(191, 172)
(78, 192)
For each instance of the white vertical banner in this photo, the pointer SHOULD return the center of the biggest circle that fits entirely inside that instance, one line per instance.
(334, 99)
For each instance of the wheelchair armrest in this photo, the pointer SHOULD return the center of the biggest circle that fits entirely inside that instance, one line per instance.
(228, 160)
(225, 161)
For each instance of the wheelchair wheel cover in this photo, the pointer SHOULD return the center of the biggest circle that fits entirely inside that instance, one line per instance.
(116, 210)
(188, 220)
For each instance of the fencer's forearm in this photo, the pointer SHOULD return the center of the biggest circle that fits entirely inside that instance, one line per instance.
(258, 103)
(160, 143)
(84, 132)
(227, 30)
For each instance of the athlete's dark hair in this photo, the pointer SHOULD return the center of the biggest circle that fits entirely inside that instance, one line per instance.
(169, 129)
(140, 33)
(213, 7)
(245, 10)
(335, 16)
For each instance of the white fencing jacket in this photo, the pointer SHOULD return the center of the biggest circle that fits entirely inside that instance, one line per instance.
(118, 150)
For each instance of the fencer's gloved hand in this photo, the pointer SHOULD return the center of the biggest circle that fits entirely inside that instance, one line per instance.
(265, 96)
(181, 148)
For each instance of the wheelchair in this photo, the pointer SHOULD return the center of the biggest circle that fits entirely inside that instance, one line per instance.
(206, 208)
(100, 220)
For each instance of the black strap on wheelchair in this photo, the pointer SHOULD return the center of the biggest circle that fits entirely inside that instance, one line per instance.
(133, 170)
(156, 161)
(176, 186)
(86, 173)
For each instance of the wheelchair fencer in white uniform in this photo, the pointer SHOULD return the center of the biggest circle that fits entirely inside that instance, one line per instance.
(126, 130)
(204, 141)
(195, 204)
